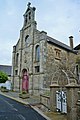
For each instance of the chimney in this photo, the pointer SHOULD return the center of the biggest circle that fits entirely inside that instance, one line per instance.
(71, 41)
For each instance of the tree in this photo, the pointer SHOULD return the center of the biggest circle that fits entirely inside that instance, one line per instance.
(3, 77)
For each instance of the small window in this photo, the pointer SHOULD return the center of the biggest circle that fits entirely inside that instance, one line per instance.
(77, 69)
(37, 69)
(58, 53)
(26, 18)
(17, 59)
(25, 59)
(29, 15)
(26, 37)
(26, 40)
(16, 72)
(37, 53)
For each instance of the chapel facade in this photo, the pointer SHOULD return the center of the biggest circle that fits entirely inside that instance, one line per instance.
(46, 59)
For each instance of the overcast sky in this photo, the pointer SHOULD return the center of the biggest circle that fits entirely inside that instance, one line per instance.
(59, 18)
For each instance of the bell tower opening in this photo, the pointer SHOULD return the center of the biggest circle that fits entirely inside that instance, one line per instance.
(29, 16)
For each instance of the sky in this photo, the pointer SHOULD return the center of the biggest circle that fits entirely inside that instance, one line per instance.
(59, 18)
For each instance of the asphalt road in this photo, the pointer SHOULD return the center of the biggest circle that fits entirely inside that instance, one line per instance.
(12, 110)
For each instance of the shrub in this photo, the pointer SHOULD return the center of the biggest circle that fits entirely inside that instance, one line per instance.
(3, 77)
(2, 87)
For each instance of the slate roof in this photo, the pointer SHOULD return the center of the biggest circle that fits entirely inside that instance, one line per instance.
(60, 44)
(6, 68)
(77, 47)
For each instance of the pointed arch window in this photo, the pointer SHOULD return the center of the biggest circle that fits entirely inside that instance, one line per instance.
(29, 15)
(26, 40)
(37, 55)
(17, 59)
(26, 18)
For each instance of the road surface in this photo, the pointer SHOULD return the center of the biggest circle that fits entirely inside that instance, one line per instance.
(12, 110)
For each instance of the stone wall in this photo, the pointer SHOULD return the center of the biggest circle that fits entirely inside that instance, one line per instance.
(52, 58)
(55, 64)
(45, 101)
(72, 99)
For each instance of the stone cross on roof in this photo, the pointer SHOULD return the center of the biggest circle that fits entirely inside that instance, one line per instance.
(28, 4)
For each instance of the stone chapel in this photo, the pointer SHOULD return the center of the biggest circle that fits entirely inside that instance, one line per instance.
(46, 59)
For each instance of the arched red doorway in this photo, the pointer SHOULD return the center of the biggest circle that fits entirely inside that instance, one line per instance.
(25, 80)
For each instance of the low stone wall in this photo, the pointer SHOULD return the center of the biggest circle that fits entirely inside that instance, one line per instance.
(45, 101)
(78, 112)
(78, 106)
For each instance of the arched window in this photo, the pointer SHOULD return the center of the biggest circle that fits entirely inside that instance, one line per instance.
(17, 59)
(26, 40)
(37, 55)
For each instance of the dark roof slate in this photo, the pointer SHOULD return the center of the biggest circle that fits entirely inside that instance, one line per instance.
(77, 47)
(6, 68)
(60, 44)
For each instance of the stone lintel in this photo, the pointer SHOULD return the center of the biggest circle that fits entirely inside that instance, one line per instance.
(72, 85)
(54, 86)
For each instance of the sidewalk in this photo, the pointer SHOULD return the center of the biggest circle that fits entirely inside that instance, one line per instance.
(34, 101)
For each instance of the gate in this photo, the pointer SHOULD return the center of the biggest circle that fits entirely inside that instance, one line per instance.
(61, 103)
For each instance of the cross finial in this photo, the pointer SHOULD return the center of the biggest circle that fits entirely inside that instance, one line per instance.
(28, 4)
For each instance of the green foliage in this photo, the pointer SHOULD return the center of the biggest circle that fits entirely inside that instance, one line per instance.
(3, 77)
(23, 92)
